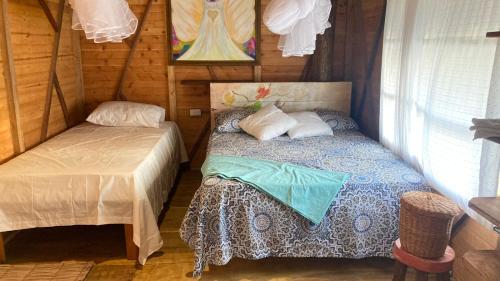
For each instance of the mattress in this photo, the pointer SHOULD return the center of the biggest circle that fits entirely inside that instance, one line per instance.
(229, 219)
(94, 175)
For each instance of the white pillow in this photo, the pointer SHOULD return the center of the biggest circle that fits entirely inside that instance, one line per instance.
(267, 123)
(127, 114)
(309, 124)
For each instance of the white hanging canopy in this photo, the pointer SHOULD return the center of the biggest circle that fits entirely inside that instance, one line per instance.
(298, 22)
(104, 20)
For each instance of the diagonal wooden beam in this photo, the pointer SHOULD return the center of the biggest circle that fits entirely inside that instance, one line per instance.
(52, 73)
(49, 15)
(62, 102)
(57, 28)
(119, 95)
(129, 41)
(10, 81)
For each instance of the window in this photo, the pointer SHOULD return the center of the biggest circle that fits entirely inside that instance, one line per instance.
(437, 74)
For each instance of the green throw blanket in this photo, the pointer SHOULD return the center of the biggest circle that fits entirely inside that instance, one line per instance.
(310, 192)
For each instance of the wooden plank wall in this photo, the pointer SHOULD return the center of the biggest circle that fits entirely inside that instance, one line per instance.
(31, 36)
(32, 39)
(6, 139)
(148, 78)
(470, 235)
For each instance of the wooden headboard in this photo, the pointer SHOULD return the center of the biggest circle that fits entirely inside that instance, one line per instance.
(290, 97)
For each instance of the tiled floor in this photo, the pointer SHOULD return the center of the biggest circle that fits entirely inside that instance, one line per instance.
(105, 245)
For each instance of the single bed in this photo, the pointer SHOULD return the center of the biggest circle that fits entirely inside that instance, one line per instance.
(229, 219)
(95, 175)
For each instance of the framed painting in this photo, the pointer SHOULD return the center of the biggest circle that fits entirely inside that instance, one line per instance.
(214, 32)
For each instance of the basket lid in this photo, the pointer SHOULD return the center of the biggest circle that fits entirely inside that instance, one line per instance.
(431, 204)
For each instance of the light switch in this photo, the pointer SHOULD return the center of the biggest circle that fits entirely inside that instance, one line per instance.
(195, 112)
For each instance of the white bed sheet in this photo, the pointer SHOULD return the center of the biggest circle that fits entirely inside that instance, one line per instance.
(94, 175)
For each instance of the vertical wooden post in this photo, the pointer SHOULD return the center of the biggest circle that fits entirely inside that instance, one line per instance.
(498, 246)
(52, 73)
(445, 276)
(132, 249)
(172, 94)
(257, 73)
(422, 276)
(77, 54)
(3, 257)
(10, 80)
(399, 272)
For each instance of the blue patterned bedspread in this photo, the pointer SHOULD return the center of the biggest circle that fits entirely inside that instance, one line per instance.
(229, 219)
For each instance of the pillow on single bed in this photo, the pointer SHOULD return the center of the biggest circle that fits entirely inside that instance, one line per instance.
(268, 123)
(127, 114)
(337, 120)
(228, 121)
(309, 124)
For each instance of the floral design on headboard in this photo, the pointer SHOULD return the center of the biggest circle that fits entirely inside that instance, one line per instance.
(253, 100)
(289, 96)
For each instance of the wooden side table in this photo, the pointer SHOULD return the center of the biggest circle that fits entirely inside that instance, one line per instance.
(483, 265)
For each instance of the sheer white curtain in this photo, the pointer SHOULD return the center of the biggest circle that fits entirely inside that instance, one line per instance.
(438, 73)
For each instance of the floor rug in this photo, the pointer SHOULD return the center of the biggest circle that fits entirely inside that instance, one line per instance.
(67, 271)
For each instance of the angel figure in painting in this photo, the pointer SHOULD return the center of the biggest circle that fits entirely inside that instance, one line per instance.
(214, 30)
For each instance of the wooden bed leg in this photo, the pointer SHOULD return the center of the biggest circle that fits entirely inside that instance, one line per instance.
(132, 249)
(3, 257)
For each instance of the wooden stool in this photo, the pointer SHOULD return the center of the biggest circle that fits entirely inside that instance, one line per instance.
(441, 266)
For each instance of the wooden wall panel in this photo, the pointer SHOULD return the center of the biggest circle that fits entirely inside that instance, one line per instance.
(148, 79)
(470, 235)
(32, 40)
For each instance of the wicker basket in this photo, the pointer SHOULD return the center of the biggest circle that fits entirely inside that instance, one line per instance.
(425, 223)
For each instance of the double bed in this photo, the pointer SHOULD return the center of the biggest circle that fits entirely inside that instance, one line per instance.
(95, 175)
(228, 218)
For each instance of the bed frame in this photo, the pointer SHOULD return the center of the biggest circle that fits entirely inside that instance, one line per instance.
(3, 258)
(132, 249)
(290, 97)
(294, 96)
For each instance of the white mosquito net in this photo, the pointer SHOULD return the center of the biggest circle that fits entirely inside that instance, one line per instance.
(298, 22)
(104, 20)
